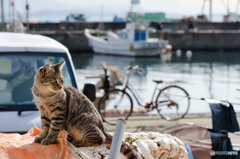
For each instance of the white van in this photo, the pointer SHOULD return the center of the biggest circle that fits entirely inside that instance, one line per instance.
(20, 57)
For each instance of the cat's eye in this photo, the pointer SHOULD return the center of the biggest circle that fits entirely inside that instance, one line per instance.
(55, 83)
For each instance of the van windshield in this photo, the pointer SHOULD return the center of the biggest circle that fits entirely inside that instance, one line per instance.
(17, 71)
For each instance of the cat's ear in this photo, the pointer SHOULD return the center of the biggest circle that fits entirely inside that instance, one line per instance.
(44, 70)
(60, 65)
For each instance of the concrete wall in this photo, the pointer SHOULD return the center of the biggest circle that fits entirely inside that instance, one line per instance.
(204, 40)
(210, 36)
(115, 26)
(202, 26)
(76, 26)
(73, 40)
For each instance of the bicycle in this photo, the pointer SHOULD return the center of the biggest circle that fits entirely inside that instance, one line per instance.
(172, 102)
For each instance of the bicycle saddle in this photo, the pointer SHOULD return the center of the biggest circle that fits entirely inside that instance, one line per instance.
(158, 81)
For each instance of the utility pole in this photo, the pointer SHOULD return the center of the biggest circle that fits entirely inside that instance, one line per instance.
(210, 10)
(27, 15)
(2, 13)
(13, 10)
(9, 11)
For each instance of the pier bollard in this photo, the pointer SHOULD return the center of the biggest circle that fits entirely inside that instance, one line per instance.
(117, 139)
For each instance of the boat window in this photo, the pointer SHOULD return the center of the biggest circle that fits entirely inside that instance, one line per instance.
(17, 73)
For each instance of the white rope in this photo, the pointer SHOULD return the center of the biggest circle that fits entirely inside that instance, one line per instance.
(78, 154)
(204, 99)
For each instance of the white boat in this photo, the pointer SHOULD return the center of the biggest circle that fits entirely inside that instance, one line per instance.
(132, 41)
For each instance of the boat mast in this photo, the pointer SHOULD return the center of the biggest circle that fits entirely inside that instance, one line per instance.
(236, 12)
(210, 9)
(133, 3)
(203, 6)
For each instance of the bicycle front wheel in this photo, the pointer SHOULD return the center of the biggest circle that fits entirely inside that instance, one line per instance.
(115, 104)
(172, 102)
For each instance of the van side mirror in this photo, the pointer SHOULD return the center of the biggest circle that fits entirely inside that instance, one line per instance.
(89, 90)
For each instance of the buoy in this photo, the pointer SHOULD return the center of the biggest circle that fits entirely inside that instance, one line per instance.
(179, 53)
(189, 54)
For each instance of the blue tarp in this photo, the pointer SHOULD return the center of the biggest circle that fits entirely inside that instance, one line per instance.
(224, 117)
(223, 120)
(221, 144)
(220, 141)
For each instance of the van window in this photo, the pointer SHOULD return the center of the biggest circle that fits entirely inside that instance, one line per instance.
(17, 71)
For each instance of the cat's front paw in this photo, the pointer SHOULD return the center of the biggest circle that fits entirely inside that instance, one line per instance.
(46, 142)
(38, 139)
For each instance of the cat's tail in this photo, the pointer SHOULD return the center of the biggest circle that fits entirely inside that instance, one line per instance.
(126, 149)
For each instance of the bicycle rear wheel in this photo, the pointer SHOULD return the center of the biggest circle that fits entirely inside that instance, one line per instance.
(115, 104)
(172, 102)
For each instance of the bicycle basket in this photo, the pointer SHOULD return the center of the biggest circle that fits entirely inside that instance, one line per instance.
(116, 76)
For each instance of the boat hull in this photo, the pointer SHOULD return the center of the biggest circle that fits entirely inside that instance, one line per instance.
(123, 47)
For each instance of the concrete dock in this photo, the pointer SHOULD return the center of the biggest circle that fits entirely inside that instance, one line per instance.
(206, 37)
(202, 40)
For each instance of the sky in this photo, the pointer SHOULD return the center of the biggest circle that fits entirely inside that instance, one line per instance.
(104, 10)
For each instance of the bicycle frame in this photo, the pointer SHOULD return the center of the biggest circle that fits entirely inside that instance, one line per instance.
(160, 101)
(134, 93)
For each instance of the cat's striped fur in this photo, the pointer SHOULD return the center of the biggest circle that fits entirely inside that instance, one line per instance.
(65, 108)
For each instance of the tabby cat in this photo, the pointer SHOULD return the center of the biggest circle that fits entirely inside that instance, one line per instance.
(65, 108)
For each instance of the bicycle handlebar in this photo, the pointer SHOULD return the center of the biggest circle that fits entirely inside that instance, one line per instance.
(135, 68)
(103, 65)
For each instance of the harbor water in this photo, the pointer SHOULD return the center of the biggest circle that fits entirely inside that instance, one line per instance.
(214, 75)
